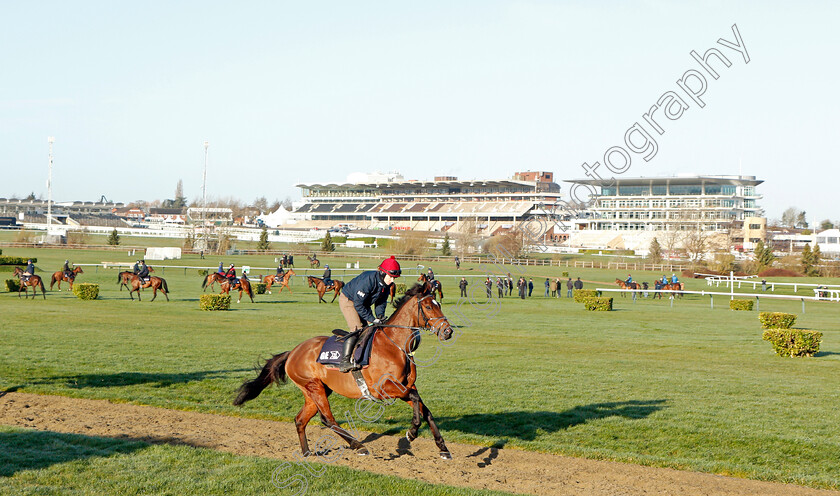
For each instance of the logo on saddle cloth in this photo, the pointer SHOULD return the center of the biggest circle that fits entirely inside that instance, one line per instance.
(331, 351)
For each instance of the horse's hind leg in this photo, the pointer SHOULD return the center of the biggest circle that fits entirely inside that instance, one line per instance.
(301, 419)
(318, 394)
(154, 293)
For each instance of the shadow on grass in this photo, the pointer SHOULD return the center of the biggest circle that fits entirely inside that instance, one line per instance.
(32, 450)
(527, 425)
(82, 381)
(825, 353)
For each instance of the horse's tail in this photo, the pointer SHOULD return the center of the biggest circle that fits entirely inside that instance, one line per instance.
(52, 280)
(204, 282)
(165, 286)
(43, 291)
(273, 371)
(119, 278)
(250, 290)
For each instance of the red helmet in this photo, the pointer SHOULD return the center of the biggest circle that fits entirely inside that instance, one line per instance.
(390, 266)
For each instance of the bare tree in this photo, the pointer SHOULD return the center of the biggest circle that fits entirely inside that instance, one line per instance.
(696, 244)
(467, 237)
(789, 217)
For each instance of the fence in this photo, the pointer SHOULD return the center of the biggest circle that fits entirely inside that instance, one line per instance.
(581, 264)
(712, 295)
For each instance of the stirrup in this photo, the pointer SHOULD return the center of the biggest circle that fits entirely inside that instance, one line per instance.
(345, 366)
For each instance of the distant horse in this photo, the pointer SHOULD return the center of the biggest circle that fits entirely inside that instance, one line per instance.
(283, 283)
(674, 287)
(321, 288)
(59, 276)
(436, 285)
(34, 281)
(211, 279)
(243, 284)
(313, 261)
(391, 370)
(124, 278)
(135, 284)
(624, 285)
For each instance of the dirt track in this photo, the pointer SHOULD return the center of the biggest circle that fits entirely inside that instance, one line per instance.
(473, 466)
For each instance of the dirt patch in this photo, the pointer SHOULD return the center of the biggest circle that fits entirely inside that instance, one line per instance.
(473, 466)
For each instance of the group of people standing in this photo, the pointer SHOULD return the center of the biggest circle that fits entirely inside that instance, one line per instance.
(555, 287)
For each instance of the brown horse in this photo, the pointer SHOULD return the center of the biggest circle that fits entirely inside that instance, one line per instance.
(124, 278)
(211, 279)
(675, 288)
(283, 283)
(436, 285)
(243, 285)
(392, 372)
(624, 285)
(135, 284)
(59, 276)
(321, 288)
(34, 281)
(313, 261)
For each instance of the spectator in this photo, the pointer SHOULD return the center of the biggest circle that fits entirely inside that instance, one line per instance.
(530, 286)
(553, 286)
(645, 287)
(500, 286)
(559, 287)
(488, 285)
(457, 263)
(547, 284)
(510, 284)
(569, 286)
(522, 286)
(463, 286)
(578, 284)
(764, 284)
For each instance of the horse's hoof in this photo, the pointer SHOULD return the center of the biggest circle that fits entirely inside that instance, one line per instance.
(408, 436)
(445, 455)
(362, 451)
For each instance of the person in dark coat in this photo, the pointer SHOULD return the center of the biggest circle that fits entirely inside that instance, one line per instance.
(463, 286)
(144, 270)
(371, 287)
(29, 271)
(68, 272)
(578, 284)
(221, 268)
(547, 285)
(136, 269)
(510, 284)
(231, 275)
(522, 287)
(280, 273)
(457, 263)
(430, 275)
(327, 276)
(530, 286)
(569, 286)
(488, 285)
(500, 286)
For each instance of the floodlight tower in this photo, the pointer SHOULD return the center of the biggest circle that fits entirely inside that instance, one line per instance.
(50, 140)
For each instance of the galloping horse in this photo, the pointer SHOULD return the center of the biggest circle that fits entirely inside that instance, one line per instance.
(59, 276)
(211, 279)
(391, 371)
(284, 281)
(135, 284)
(34, 281)
(243, 285)
(321, 288)
(624, 285)
(436, 285)
(313, 261)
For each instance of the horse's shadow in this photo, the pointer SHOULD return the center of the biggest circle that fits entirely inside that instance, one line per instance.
(161, 380)
(527, 425)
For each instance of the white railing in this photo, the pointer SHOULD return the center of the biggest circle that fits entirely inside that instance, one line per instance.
(717, 280)
(712, 295)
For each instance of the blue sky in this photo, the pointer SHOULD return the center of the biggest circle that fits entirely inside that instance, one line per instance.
(311, 91)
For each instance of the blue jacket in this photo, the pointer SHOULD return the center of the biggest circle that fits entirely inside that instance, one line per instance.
(365, 290)
(30, 268)
(144, 271)
(674, 280)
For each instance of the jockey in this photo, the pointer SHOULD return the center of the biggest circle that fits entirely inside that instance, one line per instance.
(664, 279)
(68, 273)
(430, 275)
(371, 287)
(280, 273)
(674, 279)
(231, 275)
(221, 268)
(327, 276)
(143, 273)
(29, 271)
(136, 268)
(285, 259)
(629, 280)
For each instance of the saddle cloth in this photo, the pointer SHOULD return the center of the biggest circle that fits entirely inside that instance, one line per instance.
(331, 351)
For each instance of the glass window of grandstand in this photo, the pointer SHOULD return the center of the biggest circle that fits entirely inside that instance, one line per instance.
(634, 190)
(658, 203)
(713, 189)
(755, 226)
(608, 191)
(686, 189)
(749, 190)
(659, 190)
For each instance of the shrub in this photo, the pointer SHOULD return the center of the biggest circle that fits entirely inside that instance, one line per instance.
(203, 272)
(794, 342)
(776, 320)
(740, 304)
(86, 291)
(598, 304)
(12, 285)
(214, 302)
(259, 288)
(564, 274)
(400, 288)
(16, 260)
(580, 295)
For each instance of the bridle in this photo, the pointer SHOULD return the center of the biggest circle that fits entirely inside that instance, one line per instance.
(429, 325)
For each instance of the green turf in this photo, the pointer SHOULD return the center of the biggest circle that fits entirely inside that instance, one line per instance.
(38, 463)
(686, 387)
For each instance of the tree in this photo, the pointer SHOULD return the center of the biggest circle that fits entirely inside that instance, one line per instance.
(655, 252)
(287, 203)
(800, 220)
(816, 255)
(263, 243)
(807, 261)
(789, 217)
(826, 224)
(261, 204)
(696, 244)
(180, 200)
(114, 238)
(446, 250)
(764, 256)
(327, 244)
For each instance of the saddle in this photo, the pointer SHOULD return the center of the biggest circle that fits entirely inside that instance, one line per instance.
(331, 352)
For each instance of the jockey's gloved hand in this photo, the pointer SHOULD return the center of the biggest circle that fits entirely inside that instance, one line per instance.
(377, 321)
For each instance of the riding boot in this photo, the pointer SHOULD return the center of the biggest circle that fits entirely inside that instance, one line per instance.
(349, 342)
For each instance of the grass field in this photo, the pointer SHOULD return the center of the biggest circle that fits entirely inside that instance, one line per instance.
(685, 387)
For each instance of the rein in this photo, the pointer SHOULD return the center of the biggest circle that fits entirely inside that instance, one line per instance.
(415, 329)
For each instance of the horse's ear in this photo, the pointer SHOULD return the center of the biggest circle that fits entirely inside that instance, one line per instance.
(427, 288)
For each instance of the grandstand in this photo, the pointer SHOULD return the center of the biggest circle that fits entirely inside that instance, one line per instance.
(387, 201)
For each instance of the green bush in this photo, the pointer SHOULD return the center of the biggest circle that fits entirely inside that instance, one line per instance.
(214, 302)
(16, 260)
(794, 342)
(580, 295)
(564, 274)
(203, 272)
(598, 304)
(400, 288)
(776, 320)
(86, 291)
(741, 304)
(12, 285)
(259, 288)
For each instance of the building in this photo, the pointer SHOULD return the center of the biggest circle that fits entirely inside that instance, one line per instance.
(829, 242)
(629, 212)
(446, 203)
(219, 216)
(14, 207)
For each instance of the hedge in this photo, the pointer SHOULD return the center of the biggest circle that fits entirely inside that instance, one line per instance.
(12, 285)
(776, 320)
(16, 260)
(400, 288)
(564, 274)
(580, 295)
(259, 288)
(794, 342)
(86, 291)
(598, 304)
(203, 272)
(740, 304)
(214, 302)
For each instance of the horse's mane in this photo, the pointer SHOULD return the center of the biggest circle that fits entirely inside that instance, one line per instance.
(416, 290)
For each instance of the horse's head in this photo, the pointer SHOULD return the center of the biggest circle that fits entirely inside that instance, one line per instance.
(418, 308)
(422, 278)
(78, 270)
(18, 271)
(432, 318)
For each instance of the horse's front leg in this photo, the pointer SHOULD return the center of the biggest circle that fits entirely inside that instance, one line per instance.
(414, 400)
(417, 403)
